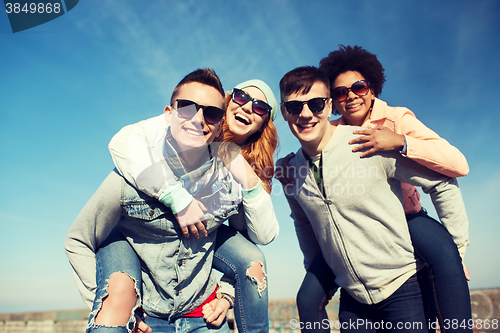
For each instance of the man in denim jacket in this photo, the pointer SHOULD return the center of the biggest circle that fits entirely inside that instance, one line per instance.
(176, 278)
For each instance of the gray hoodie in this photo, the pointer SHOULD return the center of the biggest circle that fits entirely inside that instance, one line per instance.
(359, 223)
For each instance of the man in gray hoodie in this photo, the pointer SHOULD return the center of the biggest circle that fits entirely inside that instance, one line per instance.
(349, 208)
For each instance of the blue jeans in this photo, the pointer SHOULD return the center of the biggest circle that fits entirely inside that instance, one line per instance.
(446, 290)
(402, 311)
(114, 255)
(449, 287)
(117, 255)
(184, 324)
(233, 255)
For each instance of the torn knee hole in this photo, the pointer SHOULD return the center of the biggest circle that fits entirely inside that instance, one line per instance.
(256, 273)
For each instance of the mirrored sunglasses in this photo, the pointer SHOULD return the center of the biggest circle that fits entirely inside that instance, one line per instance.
(360, 88)
(259, 107)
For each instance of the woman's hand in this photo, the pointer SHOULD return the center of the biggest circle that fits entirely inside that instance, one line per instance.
(378, 139)
(284, 172)
(192, 218)
(466, 271)
(140, 326)
(215, 311)
(241, 169)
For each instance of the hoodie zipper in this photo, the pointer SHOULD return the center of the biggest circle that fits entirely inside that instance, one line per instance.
(329, 202)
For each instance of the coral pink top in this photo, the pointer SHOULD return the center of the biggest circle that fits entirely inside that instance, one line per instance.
(423, 146)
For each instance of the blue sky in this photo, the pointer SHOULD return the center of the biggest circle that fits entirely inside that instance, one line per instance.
(68, 85)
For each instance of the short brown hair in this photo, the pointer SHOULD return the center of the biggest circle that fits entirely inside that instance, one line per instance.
(205, 76)
(301, 79)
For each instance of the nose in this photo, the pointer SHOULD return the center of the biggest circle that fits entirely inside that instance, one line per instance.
(198, 119)
(351, 94)
(247, 107)
(306, 112)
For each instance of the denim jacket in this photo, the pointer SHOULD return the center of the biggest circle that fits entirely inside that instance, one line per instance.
(177, 271)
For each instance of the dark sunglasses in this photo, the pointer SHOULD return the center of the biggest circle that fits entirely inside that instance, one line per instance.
(316, 105)
(187, 109)
(360, 88)
(259, 107)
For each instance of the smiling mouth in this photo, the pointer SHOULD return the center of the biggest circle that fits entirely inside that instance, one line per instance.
(193, 132)
(306, 126)
(353, 106)
(242, 119)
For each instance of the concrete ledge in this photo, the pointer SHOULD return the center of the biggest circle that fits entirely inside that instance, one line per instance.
(485, 309)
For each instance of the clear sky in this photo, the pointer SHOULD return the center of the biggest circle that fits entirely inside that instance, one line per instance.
(68, 85)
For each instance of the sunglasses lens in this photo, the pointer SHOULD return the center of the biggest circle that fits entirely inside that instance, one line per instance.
(186, 109)
(360, 88)
(260, 108)
(340, 94)
(240, 97)
(212, 114)
(316, 104)
(294, 107)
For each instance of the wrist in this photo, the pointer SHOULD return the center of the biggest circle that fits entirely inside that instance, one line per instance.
(404, 150)
(226, 297)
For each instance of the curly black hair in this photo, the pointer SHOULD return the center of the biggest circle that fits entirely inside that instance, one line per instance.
(354, 58)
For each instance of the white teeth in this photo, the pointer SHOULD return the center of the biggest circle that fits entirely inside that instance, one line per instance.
(242, 118)
(194, 132)
(354, 106)
(307, 125)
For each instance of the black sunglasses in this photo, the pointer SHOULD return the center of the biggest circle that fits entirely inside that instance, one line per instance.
(316, 105)
(360, 88)
(259, 107)
(187, 109)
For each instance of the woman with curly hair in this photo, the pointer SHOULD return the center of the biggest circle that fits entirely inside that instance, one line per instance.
(357, 78)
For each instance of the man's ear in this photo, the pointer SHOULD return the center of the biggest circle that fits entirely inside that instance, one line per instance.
(329, 104)
(283, 111)
(167, 112)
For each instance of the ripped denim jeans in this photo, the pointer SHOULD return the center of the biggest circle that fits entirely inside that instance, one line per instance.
(115, 255)
(234, 254)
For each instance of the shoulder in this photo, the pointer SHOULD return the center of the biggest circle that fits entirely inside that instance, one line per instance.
(382, 110)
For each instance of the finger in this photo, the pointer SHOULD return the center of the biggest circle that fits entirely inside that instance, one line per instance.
(194, 231)
(201, 229)
(143, 328)
(360, 139)
(215, 318)
(466, 271)
(368, 153)
(185, 232)
(365, 132)
(363, 146)
(140, 326)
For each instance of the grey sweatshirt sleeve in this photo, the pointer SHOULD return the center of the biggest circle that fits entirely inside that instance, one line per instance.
(94, 223)
(445, 195)
(305, 233)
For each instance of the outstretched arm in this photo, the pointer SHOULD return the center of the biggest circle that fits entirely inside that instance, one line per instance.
(94, 223)
(445, 195)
